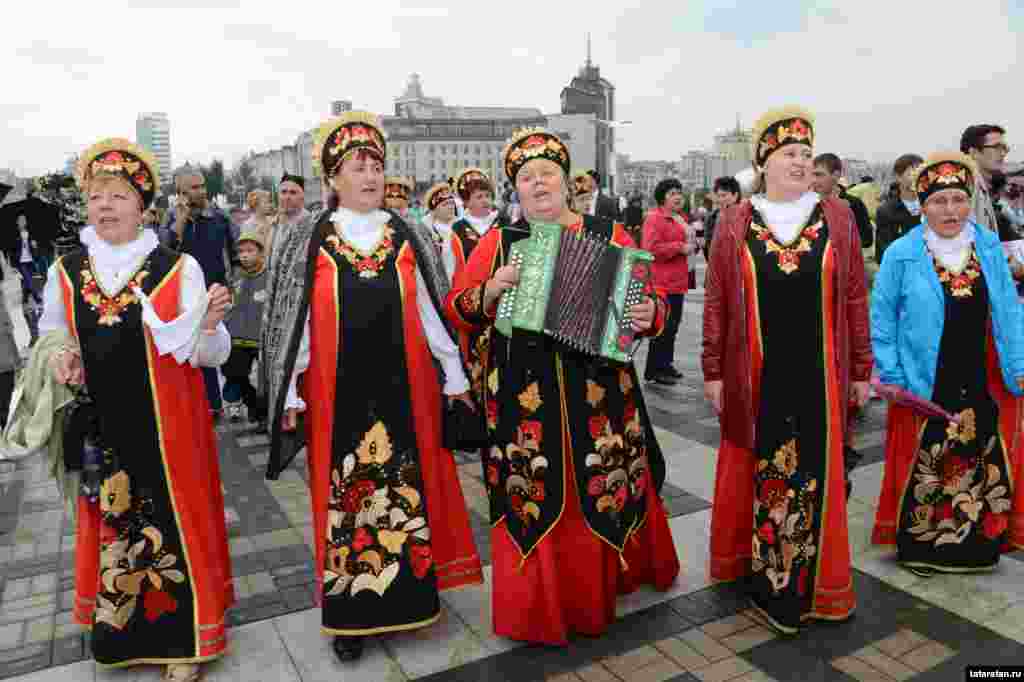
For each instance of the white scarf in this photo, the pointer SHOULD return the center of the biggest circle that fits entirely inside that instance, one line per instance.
(785, 219)
(481, 225)
(116, 263)
(361, 230)
(951, 252)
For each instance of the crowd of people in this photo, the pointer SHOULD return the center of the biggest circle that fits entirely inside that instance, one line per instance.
(358, 330)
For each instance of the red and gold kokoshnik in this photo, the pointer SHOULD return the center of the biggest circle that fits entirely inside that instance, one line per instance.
(123, 159)
(534, 143)
(471, 180)
(339, 138)
(437, 195)
(947, 170)
(781, 127)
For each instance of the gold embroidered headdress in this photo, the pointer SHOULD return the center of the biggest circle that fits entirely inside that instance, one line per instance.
(337, 139)
(120, 158)
(533, 143)
(780, 127)
(945, 170)
(437, 195)
(397, 188)
(470, 180)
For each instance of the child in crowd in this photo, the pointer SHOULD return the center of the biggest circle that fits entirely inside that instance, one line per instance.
(243, 322)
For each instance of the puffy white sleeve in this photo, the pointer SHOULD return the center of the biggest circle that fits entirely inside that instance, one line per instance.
(54, 316)
(448, 257)
(183, 336)
(292, 399)
(441, 345)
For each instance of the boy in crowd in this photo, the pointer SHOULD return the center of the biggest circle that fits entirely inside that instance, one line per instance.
(243, 322)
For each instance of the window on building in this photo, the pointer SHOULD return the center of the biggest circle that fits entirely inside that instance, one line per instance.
(477, 150)
(465, 149)
(431, 150)
(432, 166)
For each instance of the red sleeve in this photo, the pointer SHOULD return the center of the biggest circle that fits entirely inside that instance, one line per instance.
(621, 237)
(464, 305)
(716, 295)
(655, 241)
(858, 324)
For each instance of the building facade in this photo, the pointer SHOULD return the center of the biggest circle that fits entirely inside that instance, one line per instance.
(589, 93)
(153, 132)
(641, 177)
(430, 141)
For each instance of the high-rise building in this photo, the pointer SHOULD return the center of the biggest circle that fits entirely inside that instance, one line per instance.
(153, 132)
(589, 93)
(340, 106)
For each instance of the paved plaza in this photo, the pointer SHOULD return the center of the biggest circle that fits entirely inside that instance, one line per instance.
(905, 628)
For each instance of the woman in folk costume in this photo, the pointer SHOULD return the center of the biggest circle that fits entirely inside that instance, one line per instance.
(946, 326)
(477, 194)
(152, 572)
(786, 351)
(396, 196)
(574, 472)
(352, 330)
(440, 203)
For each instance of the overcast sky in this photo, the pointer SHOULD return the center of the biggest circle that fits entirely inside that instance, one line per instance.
(884, 76)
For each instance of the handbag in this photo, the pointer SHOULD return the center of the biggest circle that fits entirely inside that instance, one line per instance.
(81, 423)
(465, 429)
(692, 284)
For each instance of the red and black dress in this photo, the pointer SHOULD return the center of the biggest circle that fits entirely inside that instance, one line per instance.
(152, 571)
(948, 488)
(573, 473)
(799, 526)
(390, 520)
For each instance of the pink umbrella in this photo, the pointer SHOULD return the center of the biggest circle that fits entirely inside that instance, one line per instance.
(899, 396)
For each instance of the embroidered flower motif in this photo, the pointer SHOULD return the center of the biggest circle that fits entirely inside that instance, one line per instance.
(788, 256)
(157, 603)
(960, 285)
(369, 265)
(115, 495)
(994, 525)
(109, 308)
(375, 447)
(595, 393)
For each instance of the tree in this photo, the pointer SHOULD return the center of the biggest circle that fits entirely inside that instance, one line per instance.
(215, 178)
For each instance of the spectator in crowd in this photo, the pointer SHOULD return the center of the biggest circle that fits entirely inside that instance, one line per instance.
(291, 207)
(665, 236)
(23, 256)
(828, 168)
(203, 232)
(726, 192)
(633, 217)
(901, 212)
(986, 145)
(243, 322)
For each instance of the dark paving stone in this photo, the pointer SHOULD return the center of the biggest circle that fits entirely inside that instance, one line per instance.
(26, 568)
(539, 662)
(247, 564)
(298, 598)
(685, 504)
(685, 677)
(303, 577)
(69, 650)
(25, 660)
(246, 614)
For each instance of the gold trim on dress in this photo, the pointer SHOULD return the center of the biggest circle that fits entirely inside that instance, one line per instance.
(387, 628)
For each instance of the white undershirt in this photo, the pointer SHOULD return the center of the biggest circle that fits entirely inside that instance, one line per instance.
(114, 265)
(26, 252)
(364, 231)
(481, 225)
(951, 252)
(785, 218)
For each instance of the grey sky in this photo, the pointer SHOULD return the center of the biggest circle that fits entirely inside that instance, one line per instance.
(883, 76)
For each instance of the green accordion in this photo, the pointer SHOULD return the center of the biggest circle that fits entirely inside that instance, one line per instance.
(575, 286)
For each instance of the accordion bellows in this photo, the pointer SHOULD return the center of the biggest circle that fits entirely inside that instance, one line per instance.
(575, 286)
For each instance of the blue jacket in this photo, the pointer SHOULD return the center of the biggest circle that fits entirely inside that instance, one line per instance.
(908, 311)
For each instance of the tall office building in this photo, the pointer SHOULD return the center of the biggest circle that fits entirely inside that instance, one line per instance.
(153, 132)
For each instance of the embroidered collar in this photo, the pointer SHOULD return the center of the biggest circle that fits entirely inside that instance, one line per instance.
(362, 230)
(481, 225)
(785, 220)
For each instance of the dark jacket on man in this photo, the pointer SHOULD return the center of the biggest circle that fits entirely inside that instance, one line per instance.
(606, 207)
(893, 220)
(863, 218)
(207, 238)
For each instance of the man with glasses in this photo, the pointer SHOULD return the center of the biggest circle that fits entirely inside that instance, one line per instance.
(986, 144)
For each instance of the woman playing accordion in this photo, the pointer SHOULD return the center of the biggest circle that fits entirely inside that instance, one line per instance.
(574, 470)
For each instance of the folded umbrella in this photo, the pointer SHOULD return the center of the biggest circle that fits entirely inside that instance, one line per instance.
(900, 396)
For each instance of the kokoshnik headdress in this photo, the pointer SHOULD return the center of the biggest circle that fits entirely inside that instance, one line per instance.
(117, 157)
(355, 132)
(781, 127)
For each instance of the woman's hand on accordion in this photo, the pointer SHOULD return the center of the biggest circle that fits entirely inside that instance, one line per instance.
(505, 277)
(642, 315)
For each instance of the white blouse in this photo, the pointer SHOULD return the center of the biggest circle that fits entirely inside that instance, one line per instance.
(951, 252)
(785, 219)
(481, 225)
(363, 231)
(114, 265)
